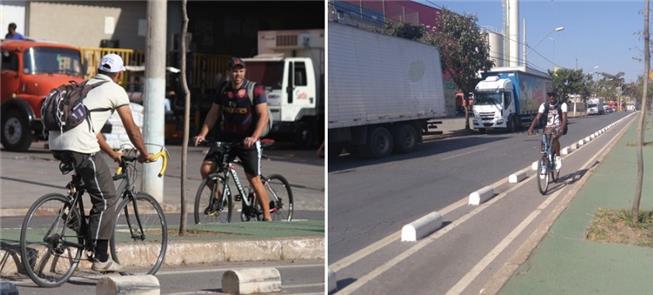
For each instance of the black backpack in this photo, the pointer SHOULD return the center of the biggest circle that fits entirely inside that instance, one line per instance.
(545, 116)
(250, 94)
(63, 109)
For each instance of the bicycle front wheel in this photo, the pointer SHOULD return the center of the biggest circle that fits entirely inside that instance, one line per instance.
(50, 247)
(281, 198)
(543, 175)
(210, 206)
(140, 236)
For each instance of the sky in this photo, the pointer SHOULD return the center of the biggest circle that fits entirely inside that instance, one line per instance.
(599, 36)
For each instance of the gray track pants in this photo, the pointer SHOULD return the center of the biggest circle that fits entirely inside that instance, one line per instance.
(98, 182)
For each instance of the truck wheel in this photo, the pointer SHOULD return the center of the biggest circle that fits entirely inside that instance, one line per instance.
(16, 133)
(379, 142)
(511, 124)
(304, 137)
(405, 138)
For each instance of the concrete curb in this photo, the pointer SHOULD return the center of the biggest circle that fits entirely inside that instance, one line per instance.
(534, 166)
(142, 285)
(481, 196)
(566, 151)
(421, 227)
(333, 283)
(251, 281)
(185, 252)
(517, 176)
(8, 288)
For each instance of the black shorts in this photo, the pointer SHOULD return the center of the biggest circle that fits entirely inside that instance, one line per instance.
(249, 158)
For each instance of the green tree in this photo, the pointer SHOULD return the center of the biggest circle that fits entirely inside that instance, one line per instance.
(642, 119)
(464, 49)
(568, 81)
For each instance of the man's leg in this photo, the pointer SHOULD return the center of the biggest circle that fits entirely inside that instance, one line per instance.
(99, 184)
(251, 160)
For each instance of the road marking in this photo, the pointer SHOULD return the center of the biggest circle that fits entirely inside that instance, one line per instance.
(428, 240)
(464, 282)
(425, 242)
(464, 153)
(362, 253)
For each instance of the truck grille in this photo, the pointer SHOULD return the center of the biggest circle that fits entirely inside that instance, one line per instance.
(487, 115)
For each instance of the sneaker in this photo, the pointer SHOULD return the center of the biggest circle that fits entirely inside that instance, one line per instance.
(558, 163)
(107, 266)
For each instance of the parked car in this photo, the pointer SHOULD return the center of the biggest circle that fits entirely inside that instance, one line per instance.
(30, 69)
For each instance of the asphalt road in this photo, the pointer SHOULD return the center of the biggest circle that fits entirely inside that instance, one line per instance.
(371, 199)
(306, 277)
(26, 176)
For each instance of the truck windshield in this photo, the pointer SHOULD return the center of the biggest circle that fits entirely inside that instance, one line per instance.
(485, 98)
(47, 60)
(268, 73)
(592, 105)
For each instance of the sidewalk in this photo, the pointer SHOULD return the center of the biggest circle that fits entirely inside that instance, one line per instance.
(565, 262)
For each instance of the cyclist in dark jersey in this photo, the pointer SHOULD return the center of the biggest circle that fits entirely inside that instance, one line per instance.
(555, 122)
(244, 119)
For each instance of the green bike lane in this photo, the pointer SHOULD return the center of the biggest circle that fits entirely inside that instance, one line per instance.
(565, 262)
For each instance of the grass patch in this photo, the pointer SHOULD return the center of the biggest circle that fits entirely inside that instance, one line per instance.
(616, 226)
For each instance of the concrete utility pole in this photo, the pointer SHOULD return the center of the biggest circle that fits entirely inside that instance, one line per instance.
(155, 84)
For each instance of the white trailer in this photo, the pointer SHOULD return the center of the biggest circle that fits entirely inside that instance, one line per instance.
(382, 91)
(290, 64)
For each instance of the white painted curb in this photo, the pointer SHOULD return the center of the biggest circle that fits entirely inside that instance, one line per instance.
(145, 285)
(587, 139)
(482, 195)
(421, 227)
(251, 281)
(580, 143)
(593, 136)
(517, 176)
(534, 166)
(333, 283)
(566, 151)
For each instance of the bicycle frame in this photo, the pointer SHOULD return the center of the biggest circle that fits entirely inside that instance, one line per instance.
(128, 193)
(547, 143)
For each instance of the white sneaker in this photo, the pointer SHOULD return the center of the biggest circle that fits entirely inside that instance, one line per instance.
(107, 266)
(558, 163)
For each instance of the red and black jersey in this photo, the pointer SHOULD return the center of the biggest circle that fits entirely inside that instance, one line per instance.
(238, 112)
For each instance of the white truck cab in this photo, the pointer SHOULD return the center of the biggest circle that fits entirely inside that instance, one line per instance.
(493, 105)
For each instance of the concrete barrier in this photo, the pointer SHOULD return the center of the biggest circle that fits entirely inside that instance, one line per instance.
(8, 288)
(580, 143)
(534, 166)
(480, 196)
(517, 176)
(333, 282)
(587, 139)
(251, 281)
(421, 227)
(141, 285)
(592, 136)
(565, 151)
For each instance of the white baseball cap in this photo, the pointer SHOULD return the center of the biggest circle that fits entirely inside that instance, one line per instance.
(112, 63)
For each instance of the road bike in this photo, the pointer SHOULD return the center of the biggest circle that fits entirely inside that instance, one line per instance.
(214, 199)
(56, 229)
(546, 167)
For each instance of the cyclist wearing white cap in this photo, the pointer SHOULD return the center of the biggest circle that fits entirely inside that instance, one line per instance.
(79, 145)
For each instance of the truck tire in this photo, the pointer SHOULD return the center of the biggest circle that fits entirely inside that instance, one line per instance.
(379, 143)
(511, 124)
(304, 137)
(16, 133)
(405, 138)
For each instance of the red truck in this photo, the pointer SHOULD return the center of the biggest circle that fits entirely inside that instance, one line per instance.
(30, 69)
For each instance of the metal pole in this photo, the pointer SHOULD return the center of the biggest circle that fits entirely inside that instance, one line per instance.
(155, 83)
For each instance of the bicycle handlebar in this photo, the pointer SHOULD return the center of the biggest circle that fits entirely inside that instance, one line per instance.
(163, 154)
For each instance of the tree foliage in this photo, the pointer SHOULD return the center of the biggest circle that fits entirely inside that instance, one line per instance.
(464, 49)
(568, 81)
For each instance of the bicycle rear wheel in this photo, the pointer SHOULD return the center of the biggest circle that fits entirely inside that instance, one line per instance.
(543, 175)
(281, 199)
(50, 247)
(221, 211)
(140, 236)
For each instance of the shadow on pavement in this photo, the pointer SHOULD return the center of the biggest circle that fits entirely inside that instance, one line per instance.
(340, 284)
(568, 179)
(11, 250)
(425, 149)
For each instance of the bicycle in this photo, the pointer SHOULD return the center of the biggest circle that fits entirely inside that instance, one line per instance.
(55, 230)
(214, 198)
(546, 167)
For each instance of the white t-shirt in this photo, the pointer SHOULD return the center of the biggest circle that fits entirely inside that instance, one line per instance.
(554, 119)
(81, 139)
